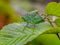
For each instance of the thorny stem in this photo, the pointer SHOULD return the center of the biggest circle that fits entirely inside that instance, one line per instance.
(51, 22)
(53, 25)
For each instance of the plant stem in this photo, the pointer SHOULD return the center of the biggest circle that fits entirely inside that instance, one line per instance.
(51, 22)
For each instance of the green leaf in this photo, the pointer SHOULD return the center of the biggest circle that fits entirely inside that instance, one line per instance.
(53, 8)
(57, 21)
(33, 18)
(50, 7)
(46, 39)
(53, 31)
(20, 34)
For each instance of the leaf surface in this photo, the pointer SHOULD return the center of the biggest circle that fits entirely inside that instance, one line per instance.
(20, 34)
